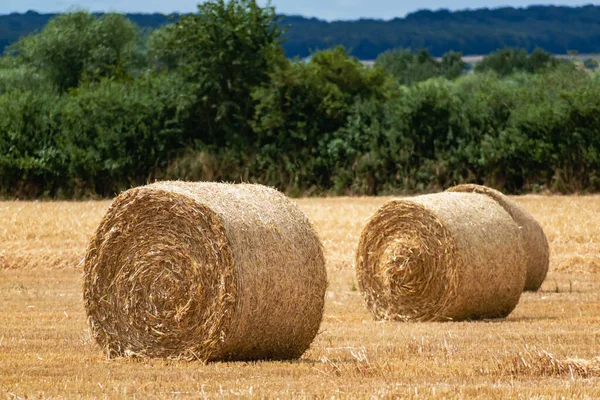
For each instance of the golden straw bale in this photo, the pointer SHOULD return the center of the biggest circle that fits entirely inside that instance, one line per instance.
(447, 256)
(535, 243)
(204, 271)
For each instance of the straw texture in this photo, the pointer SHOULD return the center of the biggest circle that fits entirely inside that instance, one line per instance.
(448, 256)
(535, 243)
(204, 271)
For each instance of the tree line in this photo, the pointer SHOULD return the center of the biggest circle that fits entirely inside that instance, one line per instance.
(481, 31)
(92, 105)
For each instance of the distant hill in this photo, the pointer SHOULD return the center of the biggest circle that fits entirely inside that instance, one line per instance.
(556, 29)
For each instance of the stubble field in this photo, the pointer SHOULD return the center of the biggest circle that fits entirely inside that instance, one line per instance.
(46, 350)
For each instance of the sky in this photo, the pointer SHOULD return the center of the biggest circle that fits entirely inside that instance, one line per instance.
(324, 9)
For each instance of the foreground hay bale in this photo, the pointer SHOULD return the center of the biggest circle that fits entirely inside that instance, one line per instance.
(448, 256)
(535, 243)
(204, 271)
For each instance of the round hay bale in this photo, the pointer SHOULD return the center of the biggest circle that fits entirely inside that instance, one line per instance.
(535, 243)
(204, 271)
(447, 256)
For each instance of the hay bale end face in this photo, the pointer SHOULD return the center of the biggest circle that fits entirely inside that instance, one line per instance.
(448, 256)
(204, 271)
(535, 243)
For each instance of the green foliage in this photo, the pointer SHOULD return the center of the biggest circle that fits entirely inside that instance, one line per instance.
(97, 140)
(114, 48)
(161, 53)
(535, 131)
(78, 46)
(23, 78)
(31, 164)
(366, 155)
(522, 133)
(224, 51)
(452, 66)
(119, 135)
(559, 131)
(408, 67)
(60, 49)
(510, 60)
(300, 109)
(84, 111)
(591, 63)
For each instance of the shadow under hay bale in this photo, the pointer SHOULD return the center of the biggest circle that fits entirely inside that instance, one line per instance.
(447, 256)
(535, 242)
(204, 271)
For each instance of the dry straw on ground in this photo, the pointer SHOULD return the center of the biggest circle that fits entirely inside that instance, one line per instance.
(204, 271)
(536, 362)
(447, 256)
(535, 243)
(38, 256)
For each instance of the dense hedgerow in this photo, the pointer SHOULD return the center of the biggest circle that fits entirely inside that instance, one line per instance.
(193, 104)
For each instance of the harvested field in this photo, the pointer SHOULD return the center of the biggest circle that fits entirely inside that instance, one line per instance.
(46, 350)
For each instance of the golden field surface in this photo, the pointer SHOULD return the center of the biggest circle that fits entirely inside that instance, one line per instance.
(46, 350)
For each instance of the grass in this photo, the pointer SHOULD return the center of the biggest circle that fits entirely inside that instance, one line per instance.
(46, 350)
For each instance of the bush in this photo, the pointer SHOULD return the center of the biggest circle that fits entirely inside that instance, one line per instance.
(81, 114)
(31, 163)
(224, 52)
(24, 78)
(510, 60)
(300, 110)
(119, 135)
(591, 63)
(408, 67)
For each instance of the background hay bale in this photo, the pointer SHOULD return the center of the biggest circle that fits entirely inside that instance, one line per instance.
(204, 271)
(447, 256)
(535, 243)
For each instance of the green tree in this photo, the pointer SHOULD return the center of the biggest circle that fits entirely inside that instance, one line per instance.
(590, 63)
(161, 54)
(396, 63)
(60, 49)
(300, 110)
(452, 65)
(24, 78)
(78, 46)
(225, 50)
(115, 48)
(539, 60)
(507, 61)
(408, 67)
(504, 62)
